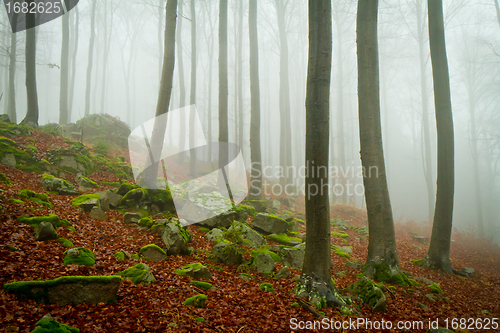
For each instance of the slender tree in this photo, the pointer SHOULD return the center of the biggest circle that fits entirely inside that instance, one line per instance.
(182, 88)
(75, 14)
(255, 151)
(239, 89)
(438, 255)
(11, 102)
(192, 99)
(31, 91)
(63, 89)
(382, 251)
(223, 81)
(90, 60)
(161, 6)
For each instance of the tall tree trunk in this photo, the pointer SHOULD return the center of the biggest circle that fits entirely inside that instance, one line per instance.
(425, 109)
(223, 81)
(284, 95)
(73, 60)
(438, 256)
(11, 104)
(63, 89)
(162, 106)
(105, 52)
(90, 59)
(192, 100)
(182, 88)
(240, 79)
(382, 252)
(255, 151)
(340, 109)
(161, 7)
(315, 282)
(31, 118)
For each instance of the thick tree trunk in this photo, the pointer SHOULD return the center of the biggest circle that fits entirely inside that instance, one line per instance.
(11, 104)
(438, 256)
(382, 252)
(73, 60)
(31, 118)
(255, 149)
(63, 89)
(192, 100)
(223, 80)
(90, 59)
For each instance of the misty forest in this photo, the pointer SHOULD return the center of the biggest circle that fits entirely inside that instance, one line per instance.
(250, 166)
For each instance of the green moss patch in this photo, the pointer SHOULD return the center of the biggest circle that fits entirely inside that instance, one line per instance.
(200, 319)
(16, 201)
(84, 198)
(436, 289)
(120, 256)
(246, 208)
(137, 274)
(36, 220)
(197, 300)
(154, 246)
(266, 287)
(65, 242)
(342, 254)
(83, 256)
(183, 270)
(200, 284)
(284, 239)
(4, 179)
(383, 273)
(146, 222)
(275, 256)
(52, 326)
(39, 198)
(341, 234)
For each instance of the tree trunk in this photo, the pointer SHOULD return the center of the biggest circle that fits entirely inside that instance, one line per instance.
(90, 59)
(192, 100)
(223, 81)
(73, 62)
(31, 118)
(438, 256)
(382, 252)
(284, 97)
(340, 110)
(240, 80)
(182, 88)
(497, 7)
(255, 151)
(63, 89)
(315, 282)
(161, 7)
(105, 52)
(11, 104)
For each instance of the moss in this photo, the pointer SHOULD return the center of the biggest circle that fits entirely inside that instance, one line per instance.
(65, 242)
(436, 289)
(71, 228)
(52, 326)
(146, 222)
(197, 300)
(152, 246)
(284, 239)
(295, 305)
(13, 249)
(341, 234)
(83, 198)
(202, 229)
(200, 284)
(93, 183)
(275, 256)
(125, 188)
(120, 256)
(135, 273)
(6, 141)
(266, 287)
(36, 220)
(199, 319)
(418, 262)
(133, 197)
(246, 208)
(39, 198)
(86, 257)
(216, 267)
(183, 270)
(16, 201)
(384, 274)
(38, 290)
(343, 254)
(185, 233)
(136, 256)
(4, 179)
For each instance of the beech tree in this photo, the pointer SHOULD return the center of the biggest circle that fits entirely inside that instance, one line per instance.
(63, 89)
(90, 58)
(223, 80)
(31, 118)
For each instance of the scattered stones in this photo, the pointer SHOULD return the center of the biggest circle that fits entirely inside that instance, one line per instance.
(153, 252)
(283, 273)
(195, 270)
(269, 224)
(228, 253)
(61, 186)
(98, 214)
(45, 231)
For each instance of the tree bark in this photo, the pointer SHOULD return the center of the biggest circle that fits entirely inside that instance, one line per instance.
(223, 80)
(90, 59)
(240, 80)
(11, 103)
(192, 100)
(382, 252)
(182, 88)
(31, 118)
(255, 149)
(73, 61)
(438, 256)
(63, 89)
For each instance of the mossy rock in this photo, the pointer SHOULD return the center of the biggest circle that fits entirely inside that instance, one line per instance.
(266, 287)
(153, 252)
(48, 325)
(4, 179)
(39, 198)
(16, 201)
(200, 284)
(36, 220)
(197, 300)
(79, 256)
(199, 320)
(284, 239)
(146, 222)
(120, 256)
(194, 270)
(341, 234)
(139, 274)
(370, 293)
(342, 254)
(250, 210)
(13, 130)
(84, 198)
(65, 242)
(436, 289)
(274, 255)
(384, 274)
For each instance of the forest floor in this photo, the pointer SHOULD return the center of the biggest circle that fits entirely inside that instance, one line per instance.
(234, 305)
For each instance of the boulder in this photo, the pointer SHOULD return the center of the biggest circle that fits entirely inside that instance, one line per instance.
(45, 231)
(69, 162)
(263, 263)
(153, 252)
(259, 205)
(214, 235)
(139, 274)
(353, 264)
(269, 224)
(61, 186)
(112, 197)
(9, 160)
(228, 253)
(88, 205)
(283, 273)
(369, 293)
(246, 232)
(98, 214)
(195, 270)
(68, 289)
(292, 257)
(175, 238)
(132, 217)
(85, 183)
(48, 324)
(79, 256)
(4, 118)
(224, 220)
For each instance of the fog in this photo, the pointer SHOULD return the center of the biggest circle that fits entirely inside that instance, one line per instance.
(126, 72)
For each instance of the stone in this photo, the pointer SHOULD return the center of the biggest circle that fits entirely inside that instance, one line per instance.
(246, 277)
(259, 205)
(84, 182)
(353, 265)
(153, 253)
(369, 293)
(68, 289)
(112, 197)
(69, 162)
(263, 263)
(103, 203)
(98, 214)
(422, 279)
(79, 256)
(61, 186)
(292, 257)
(275, 204)
(9, 160)
(246, 232)
(139, 274)
(269, 224)
(224, 220)
(88, 205)
(345, 249)
(283, 273)
(132, 217)
(45, 231)
(4, 118)
(228, 253)
(214, 235)
(469, 270)
(195, 270)
(173, 238)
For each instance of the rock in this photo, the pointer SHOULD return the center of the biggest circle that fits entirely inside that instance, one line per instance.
(292, 257)
(200, 209)
(9, 160)
(284, 239)
(47, 323)
(68, 289)
(296, 278)
(246, 277)
(61, 186)
(84, 182)
(195, 270)
(246, 232)
(353, 265)
(228, 253)
(369, 293)
(88, 205)
(259, 205)
(283, 273)
(4, 118)
(273, 203)
(214, 235)
(112, 197)
(132, 217)
(79, 256)
(175, 238)
(68, 162)
(45, 231)
(339, 223)
(103, 202)
(269, 224)
(139, 274)
(469, 270)
(422, 279)
(285, 201)
(294, 225)
(98, 214)
(224, 220)
(263, 263)
(421, 239)
(345, 249)
(153, 252)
